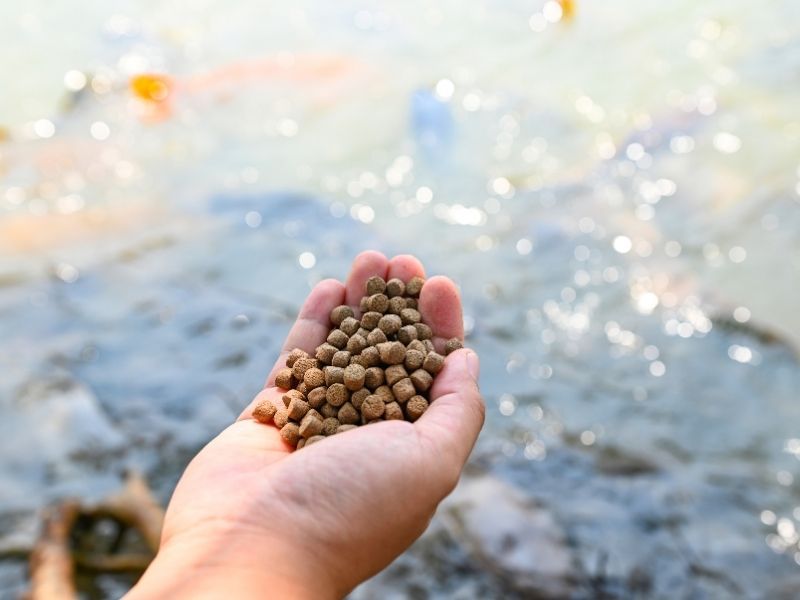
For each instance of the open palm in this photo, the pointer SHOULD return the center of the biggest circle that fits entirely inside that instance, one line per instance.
(318, 521)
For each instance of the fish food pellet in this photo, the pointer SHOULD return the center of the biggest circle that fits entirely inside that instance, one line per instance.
(393, 412)
(421, 379)
(373, 407)
(452, 345)
(337, 394)
(291, 433)
(375, 285)
(354, 377)
(340, 313)
(348, 415)
(338, 338)
(341, 359)
(283, 379)
(264, 411)
(376, 367)
(415, 406)
(395, 287)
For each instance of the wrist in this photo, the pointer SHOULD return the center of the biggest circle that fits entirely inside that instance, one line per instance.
(236, 566)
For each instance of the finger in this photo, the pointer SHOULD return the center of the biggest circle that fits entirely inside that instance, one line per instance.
(455, 416)
(313, 322)
(365, 265)
(404, 267)
(440, 306)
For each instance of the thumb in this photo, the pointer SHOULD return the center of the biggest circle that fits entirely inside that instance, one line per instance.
(454, 419)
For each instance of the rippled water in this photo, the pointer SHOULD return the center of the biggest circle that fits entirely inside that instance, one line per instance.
(616, 192)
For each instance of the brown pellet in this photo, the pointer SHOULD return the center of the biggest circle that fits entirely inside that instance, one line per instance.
(313, 413)
(357, 397)
(378, 303)
(338, 338)
(291, 395)
(359, 360)
(395, 287)
(313, 440)
(290, 433)
(370, 320)
(330, 425)
(424, 332)
(283, 379)
(354, 377)
(337, 394)
(375, 285)
(348, 415)
(317, 397)
(301, 443)
(341, 359)
(433, 363)
(392, 353)
(334, 375)
(310, 426)
(396, 304)
(421, 379)
(374, 337)
(297, 409)
(294, 355)
(325, 353)
(406, 334)
(314, 378)
(302, 365)
(356, 344)
(414, 360)
(362, 305)
(412, 303)
(370, 357)
(373, 407)
(409, 316)
(415, 407)
(393, 412)
(280, 418)
(452, 345)
(302, 388)
(394, 374)
(350, 325)
(340, 313)
(328, 410)
(403, 390)
(418, 346)
(264, 411)
(390, 324)
(429, 347)
(343, 428)
(385, 393)
(373, 378)
(414, 286)
(362, 332)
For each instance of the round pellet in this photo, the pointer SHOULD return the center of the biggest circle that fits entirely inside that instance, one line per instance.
(395, 287)
(406, 334)
(373, 407)
(264, 411)
(357, 397)
(390, 324)
(294, 355)
(325, 352)
(414, 360)
(348, 415)
(370, 320)
(314, 378)
(403, 390)
(393, 412)
(340, 313)
(421, 379)
(290, 433)
(283, 379)
(415, 406)
(356, 344)
(317, 397)
(330, 425)
(452, 345)
(350, 326)
(414, 286)
(337, 394)
(341, 359)
(433, 363)
(375, 285)
(354, 377)
(394, 374)
(409, 316)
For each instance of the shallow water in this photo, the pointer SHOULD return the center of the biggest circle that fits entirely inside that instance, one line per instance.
(617, 195)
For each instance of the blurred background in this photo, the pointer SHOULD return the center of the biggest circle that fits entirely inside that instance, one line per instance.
(615, 186)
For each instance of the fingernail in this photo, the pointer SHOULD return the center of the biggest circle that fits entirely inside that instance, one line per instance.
(473, 365)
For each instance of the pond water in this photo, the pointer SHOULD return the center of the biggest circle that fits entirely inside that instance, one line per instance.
(615, 186)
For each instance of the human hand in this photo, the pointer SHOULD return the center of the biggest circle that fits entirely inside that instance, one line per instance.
(252, 518)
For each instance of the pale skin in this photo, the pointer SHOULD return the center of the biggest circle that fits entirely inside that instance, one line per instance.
(251, 518)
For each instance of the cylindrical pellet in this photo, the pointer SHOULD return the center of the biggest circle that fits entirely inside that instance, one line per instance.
(354, 377)
(340, 313)
(452, 345)
(350, 325)
(415, 406)
(290, 433)
(373, 407)
(264, 411)
(403, 390)
(394, 374)
(337, 394)
(348, 415)
(375, 285)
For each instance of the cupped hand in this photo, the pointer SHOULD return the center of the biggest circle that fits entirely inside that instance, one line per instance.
(251, 517)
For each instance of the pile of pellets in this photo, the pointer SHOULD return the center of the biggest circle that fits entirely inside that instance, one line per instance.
(378, 368)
